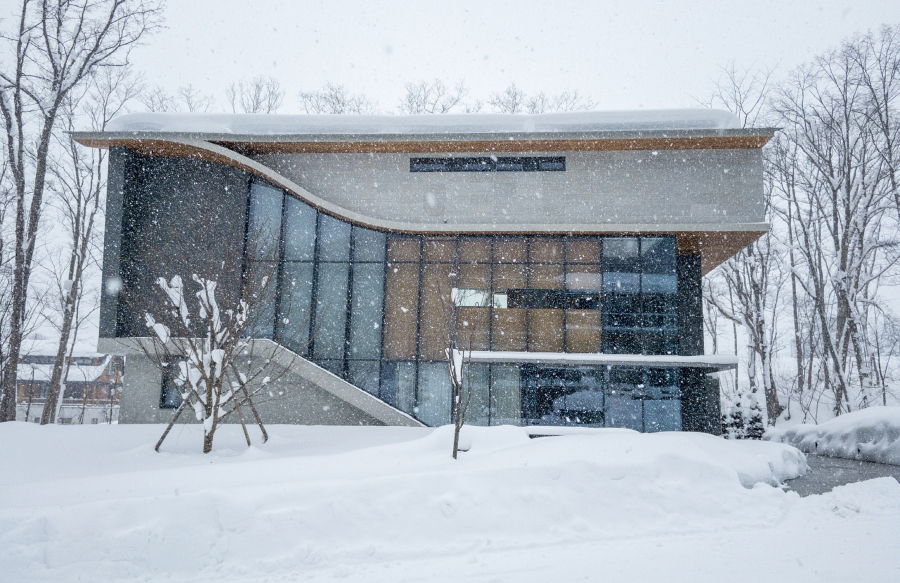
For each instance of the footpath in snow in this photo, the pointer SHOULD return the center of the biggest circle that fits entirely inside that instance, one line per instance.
(871, 434)
(96, 503)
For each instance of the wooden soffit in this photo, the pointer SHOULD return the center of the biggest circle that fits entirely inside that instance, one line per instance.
(251, 148)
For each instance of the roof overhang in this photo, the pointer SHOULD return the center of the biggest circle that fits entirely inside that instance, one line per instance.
(708, 363)
(252, 144)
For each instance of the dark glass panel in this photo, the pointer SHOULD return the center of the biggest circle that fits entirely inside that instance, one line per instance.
(475, 249)
(440, 249)
(658, 255)
(331, 310)
(477, 377)
(583, 250)
(621, 254)
(659, 343)
(170, 395)
(332, 365)
(398, 384)
(401, 310)
(510, 250)
(553, 299)
(621, 341)
(506, 399)
(662, 415)
(546, 250)
(660, 304)
(263, 301)
(621, 304)
(294, 307)
(365, 375)
(625, 378)
(388, 389)
(299, 230)
(368, 245)
(265, 221)
(365, 314)
(621, 322)
(334, 239)
(433, 406)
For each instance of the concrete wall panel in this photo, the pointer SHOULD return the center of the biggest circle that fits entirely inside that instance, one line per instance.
(625, 187)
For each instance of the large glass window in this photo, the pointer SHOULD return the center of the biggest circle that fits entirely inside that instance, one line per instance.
(330, 321)
(294, 313)
(365, 312)
(264, 230)
(299, 231)
(379, 309)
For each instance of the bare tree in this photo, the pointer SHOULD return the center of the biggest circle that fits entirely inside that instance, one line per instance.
(158, 100)
(432, 97)
(459, 352)
(257, 95)
(840, 203)
(565, 101)
(78, 185)
(194, 100)
(186, 98)
(510, 100)
(335, 99)
(753, 278)
(515, 100)
(54, 48)
(215, 368)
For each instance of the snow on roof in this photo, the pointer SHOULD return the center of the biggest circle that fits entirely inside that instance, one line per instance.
(271, 125)
(76, 372)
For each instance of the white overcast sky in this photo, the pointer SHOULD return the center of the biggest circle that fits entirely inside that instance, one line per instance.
(637, 54)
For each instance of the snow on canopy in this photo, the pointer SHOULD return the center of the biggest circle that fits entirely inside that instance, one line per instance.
(76, 372)
(270, 125)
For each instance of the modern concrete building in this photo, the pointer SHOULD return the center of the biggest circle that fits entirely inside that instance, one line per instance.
(564, 250)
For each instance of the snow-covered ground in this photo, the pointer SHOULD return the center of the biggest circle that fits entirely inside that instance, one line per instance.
(95, 503)
(871, 434)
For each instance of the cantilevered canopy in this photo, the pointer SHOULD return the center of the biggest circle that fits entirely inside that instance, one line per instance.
(710, 363)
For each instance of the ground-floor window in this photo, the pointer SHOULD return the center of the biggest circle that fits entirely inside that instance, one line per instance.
(639, 398)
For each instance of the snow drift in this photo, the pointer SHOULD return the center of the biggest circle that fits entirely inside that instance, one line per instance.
(101, 504)
(871, 434)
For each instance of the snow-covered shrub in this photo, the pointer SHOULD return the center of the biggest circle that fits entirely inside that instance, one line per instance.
(211, 351)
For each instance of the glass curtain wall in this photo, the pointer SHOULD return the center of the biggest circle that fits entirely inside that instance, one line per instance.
(379, 309)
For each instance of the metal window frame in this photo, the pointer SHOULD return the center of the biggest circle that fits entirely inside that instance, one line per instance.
(488, 164)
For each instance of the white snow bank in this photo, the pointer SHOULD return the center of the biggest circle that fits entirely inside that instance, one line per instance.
(96, 502)
(583, 121)
(871, 434)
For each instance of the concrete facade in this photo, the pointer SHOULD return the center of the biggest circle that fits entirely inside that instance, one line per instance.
(607, 190)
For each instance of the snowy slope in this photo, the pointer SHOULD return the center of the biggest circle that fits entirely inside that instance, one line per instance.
(871, 434)
(387, 504)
